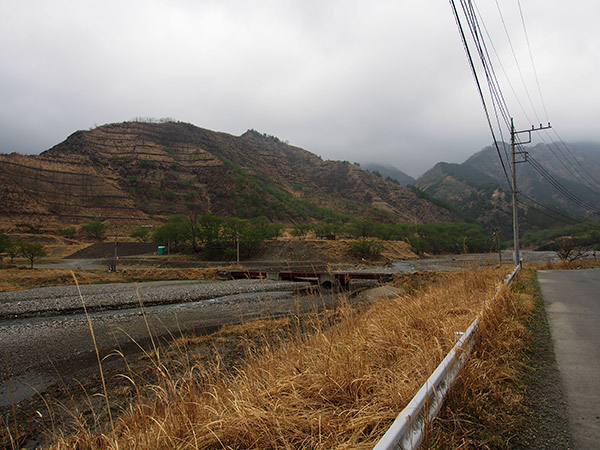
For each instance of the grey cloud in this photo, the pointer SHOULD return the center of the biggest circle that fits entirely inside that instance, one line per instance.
(346, 80)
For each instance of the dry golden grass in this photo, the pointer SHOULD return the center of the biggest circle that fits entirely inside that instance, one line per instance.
(338, 387)
(485, 407)
(16, 279)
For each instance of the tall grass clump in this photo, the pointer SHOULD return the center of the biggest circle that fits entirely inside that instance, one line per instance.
(339, 386)
(485, 408)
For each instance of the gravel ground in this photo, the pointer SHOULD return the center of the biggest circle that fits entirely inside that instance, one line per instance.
(66, 299)
(45, 337)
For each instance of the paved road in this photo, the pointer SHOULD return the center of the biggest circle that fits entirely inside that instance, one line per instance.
(572, 299)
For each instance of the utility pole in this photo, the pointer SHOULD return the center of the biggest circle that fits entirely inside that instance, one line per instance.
(498, 242)
(114, 267)
(513, 136)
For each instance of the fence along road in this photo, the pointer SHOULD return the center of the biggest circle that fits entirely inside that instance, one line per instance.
(408, 429)
(573, 309)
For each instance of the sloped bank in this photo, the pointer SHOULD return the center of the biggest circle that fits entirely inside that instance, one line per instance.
(334, 251)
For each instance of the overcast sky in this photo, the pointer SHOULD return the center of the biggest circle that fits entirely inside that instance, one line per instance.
(382, 81)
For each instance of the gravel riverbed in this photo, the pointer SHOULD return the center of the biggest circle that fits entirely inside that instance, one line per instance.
(45, 335)
(68, 299)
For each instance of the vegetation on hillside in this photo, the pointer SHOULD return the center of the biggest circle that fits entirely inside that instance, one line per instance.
(478, 189)
(154, 169)
(436, 201)
(217, 237)
(253, 196)
(585, 235)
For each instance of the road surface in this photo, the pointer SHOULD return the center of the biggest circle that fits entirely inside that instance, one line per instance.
(572, 300)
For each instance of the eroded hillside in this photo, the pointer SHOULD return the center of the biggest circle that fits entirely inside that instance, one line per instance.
(137, 171)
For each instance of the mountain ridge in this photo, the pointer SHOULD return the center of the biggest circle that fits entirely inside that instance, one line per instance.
(139, 171)
(479, 188)
(390, 173)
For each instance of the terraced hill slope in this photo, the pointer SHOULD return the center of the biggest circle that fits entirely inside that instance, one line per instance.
(138, 171)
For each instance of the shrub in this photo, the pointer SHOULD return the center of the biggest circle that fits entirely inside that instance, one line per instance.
(568, 250)
(146, 163)
(4, 242)
(140, 233)
(188, 183)
(168, 194)
(367, 248)
(68, 232)
(300, 230)
(95, 229)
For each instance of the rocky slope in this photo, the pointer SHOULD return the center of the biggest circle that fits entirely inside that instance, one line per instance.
(139, 172)
(478, 188)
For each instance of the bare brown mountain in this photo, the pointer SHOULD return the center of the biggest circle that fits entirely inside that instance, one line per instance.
(138, 171)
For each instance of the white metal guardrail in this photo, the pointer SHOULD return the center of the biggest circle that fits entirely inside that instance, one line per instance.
(407, 431)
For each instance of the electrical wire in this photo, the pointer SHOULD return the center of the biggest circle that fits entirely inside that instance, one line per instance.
(566, 161)
(471, 12)
(476, 78)
(562, 189)
(537, 80)
(498, 102)
(589, 177)
(474, 22)
(557, 214)
(516, 60)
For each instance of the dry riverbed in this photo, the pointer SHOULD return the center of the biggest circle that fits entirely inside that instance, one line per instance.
(46, 341)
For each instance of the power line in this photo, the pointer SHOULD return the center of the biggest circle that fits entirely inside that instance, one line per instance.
(531, 58)
(567, 163)
(576, 172)
(496, 95)
(561, 217)
(498, 103)
(559, 186)
(589, 177)
(475, 76)
(570, 167)
(516, 60)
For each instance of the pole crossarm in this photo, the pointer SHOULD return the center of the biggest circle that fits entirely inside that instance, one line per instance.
(529, 130)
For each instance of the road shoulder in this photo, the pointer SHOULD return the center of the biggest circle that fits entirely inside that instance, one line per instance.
(547, 426)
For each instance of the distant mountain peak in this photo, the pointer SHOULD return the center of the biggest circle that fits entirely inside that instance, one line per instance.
(390, 173)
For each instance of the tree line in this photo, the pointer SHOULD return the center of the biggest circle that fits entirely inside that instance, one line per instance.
(32, 251)
(213, 237)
